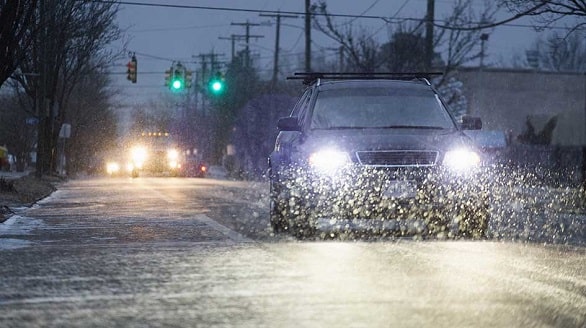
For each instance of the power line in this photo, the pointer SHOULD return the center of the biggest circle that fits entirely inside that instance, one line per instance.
(362, 14)
(278, 18)
(261, 11)
(247, 37)
(479, 25)
(153, 56)
(162, 29)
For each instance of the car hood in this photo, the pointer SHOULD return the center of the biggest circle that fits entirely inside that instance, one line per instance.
(353, 140)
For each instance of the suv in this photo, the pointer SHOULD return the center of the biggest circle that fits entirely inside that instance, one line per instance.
(378, 156)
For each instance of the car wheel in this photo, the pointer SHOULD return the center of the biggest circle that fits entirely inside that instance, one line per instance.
(288, 213)
(277, 208)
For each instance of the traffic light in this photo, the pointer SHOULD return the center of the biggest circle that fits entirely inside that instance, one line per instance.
(216, 84)
(188, 79)
(168, 77)
(175, 78)
(178, 80)
(131, 70)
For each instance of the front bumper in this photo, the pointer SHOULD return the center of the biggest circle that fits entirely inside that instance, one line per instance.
(379, 194)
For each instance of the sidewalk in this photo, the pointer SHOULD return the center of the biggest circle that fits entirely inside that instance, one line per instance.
(22, 189)
(13, 175)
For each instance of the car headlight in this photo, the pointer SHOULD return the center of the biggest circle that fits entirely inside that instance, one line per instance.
(112, 167)
(461, 160)
(138, 155)
(172, 154)
(328, 161)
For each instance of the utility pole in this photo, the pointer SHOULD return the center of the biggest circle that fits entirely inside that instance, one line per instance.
(232, 38)
(483, 39)
(247, 37)
(429, 34)
(278, 16)
(307, 36)
(213, 61)
(205, 74)
(341, 58)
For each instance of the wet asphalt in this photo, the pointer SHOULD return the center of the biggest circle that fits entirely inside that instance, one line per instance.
(171, 252)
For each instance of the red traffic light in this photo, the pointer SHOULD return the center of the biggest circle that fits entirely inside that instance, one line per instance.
(131, 70)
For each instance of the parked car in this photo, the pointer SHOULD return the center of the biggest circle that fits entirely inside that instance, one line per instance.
(376, 156)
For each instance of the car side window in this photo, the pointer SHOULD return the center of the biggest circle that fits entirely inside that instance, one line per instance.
(304, 108)
(297, 108)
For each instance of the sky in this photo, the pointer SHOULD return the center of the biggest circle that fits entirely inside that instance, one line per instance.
(160, 36)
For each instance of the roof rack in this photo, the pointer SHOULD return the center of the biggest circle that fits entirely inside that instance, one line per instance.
(312, 77)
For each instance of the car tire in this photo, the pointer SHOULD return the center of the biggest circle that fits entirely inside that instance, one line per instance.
(286, 219)
(276, 210)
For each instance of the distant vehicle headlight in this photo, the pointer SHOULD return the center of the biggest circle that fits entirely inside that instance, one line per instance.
(112, 167)
(328, 161)
(139, 156)
(461, 160)
(172, 154)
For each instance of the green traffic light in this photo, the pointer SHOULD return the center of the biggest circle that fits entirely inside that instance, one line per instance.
(177, 84)
(217, 86)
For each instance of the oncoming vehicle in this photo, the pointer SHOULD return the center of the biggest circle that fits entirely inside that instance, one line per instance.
(379, 156)
(155, 153)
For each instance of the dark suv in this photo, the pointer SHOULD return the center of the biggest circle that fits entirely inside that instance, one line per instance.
(376, 156)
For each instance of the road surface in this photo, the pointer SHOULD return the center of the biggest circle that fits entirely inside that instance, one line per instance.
(199, 253)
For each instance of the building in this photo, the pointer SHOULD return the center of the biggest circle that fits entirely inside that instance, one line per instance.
(510, 99)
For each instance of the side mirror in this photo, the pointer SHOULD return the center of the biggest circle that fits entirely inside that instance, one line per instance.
(288, 124)
(471, 123)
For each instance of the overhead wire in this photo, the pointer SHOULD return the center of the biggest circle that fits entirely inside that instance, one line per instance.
(362, 13)
(162, 29)
(394, 16)
(473, 25)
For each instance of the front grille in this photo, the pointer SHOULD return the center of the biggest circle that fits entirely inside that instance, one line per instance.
(397, 158)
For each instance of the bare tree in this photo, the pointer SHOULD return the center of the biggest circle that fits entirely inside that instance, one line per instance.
(93, 124)
(406, 48)
(70, 44)
(360, 49)
(549, 11)
(405, 52)
(462, 47)
(17, 31)
(564, 53)
(545, 13)
(17, 130)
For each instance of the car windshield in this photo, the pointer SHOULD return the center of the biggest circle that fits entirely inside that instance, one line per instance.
(379, 108)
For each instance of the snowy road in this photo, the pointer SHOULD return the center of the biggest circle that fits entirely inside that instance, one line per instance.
(198, 253)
